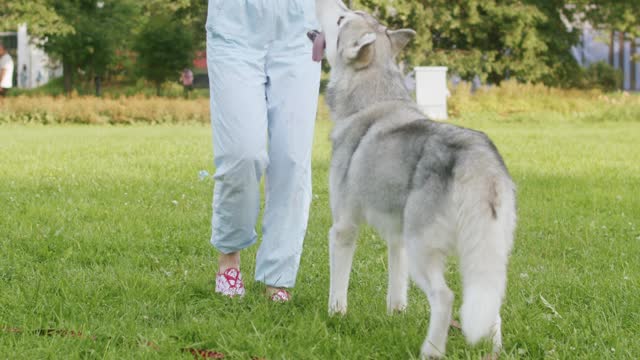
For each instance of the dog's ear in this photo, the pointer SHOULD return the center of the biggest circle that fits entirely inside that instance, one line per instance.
(361, 53)
(400, 39)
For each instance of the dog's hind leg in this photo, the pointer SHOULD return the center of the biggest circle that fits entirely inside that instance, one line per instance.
(398, 276)
(427, 267)
(342, 245)
(428, 237)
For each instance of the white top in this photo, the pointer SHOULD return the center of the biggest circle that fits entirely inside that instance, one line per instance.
(430, 68)
(6, 64)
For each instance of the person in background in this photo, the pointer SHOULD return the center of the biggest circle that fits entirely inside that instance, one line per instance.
(38, 78)
(24, 76)
(6, 71)
(264, 96)
(187, 81)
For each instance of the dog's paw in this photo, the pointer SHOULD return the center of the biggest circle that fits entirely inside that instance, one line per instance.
(430, 352)
(396, 308)
(337, 309)
(396, 303)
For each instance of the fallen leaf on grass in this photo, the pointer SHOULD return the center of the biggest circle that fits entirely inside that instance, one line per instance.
(11, 330)
(197, 353)
(204, 354)
(151, 344)
(549, 306)
(64, 333)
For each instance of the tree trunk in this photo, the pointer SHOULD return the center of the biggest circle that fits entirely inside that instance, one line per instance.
(632, 73)
(67, 72)
(611, 47)
(621, 55)
(98, 80)
(158, 88)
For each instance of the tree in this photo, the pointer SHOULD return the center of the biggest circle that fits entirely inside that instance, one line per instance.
(618, 15)
(489, 38)
(615, 16)
(99, 28)
(634, 44)
(89, 35)
(191, 13)
(530, 40)
(194, 17)
(559, 38)
(119, 18)
(164, 47)
(40, 17)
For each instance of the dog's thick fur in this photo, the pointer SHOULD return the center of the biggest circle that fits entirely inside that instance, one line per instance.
(430, 189)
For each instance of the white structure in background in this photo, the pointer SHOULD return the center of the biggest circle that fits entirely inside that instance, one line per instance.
(431, 91)
(40, 68)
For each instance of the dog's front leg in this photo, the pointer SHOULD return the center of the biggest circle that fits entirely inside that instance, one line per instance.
(342, 245)
(398, 276)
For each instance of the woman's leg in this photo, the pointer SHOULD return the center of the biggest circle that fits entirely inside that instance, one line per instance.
(239, 124)
(292, 96)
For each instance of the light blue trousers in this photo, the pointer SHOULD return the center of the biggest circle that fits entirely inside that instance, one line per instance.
(264, 97)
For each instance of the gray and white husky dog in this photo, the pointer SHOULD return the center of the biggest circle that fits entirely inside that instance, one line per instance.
(430, 189)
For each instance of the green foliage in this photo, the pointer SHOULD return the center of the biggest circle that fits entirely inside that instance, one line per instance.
(110, 109)
(164, 47)
(136, 103)
(112, 89)
(94, 37)
(40, 17)
(100, 29)
(192, 14)
(563, 69)
(526, 40)
(612, 14)
(602, 76)
(493, 39)
(523, 39)
(513, 101)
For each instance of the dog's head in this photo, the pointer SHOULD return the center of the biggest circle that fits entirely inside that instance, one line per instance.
(355, 39)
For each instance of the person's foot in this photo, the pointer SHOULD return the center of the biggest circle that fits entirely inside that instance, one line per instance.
(228, 261)
(278, 295)
(229, 283)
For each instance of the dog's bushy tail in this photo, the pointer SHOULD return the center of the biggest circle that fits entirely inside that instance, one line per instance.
(485, 243)
(481, 303)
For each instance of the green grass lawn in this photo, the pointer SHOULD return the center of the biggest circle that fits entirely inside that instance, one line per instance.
(104, 230)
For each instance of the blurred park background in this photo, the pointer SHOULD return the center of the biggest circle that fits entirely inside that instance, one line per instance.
(119, 48)
(120, 61)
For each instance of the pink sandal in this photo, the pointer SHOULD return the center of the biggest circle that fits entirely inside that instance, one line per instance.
(280, 296)
(229, 283)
